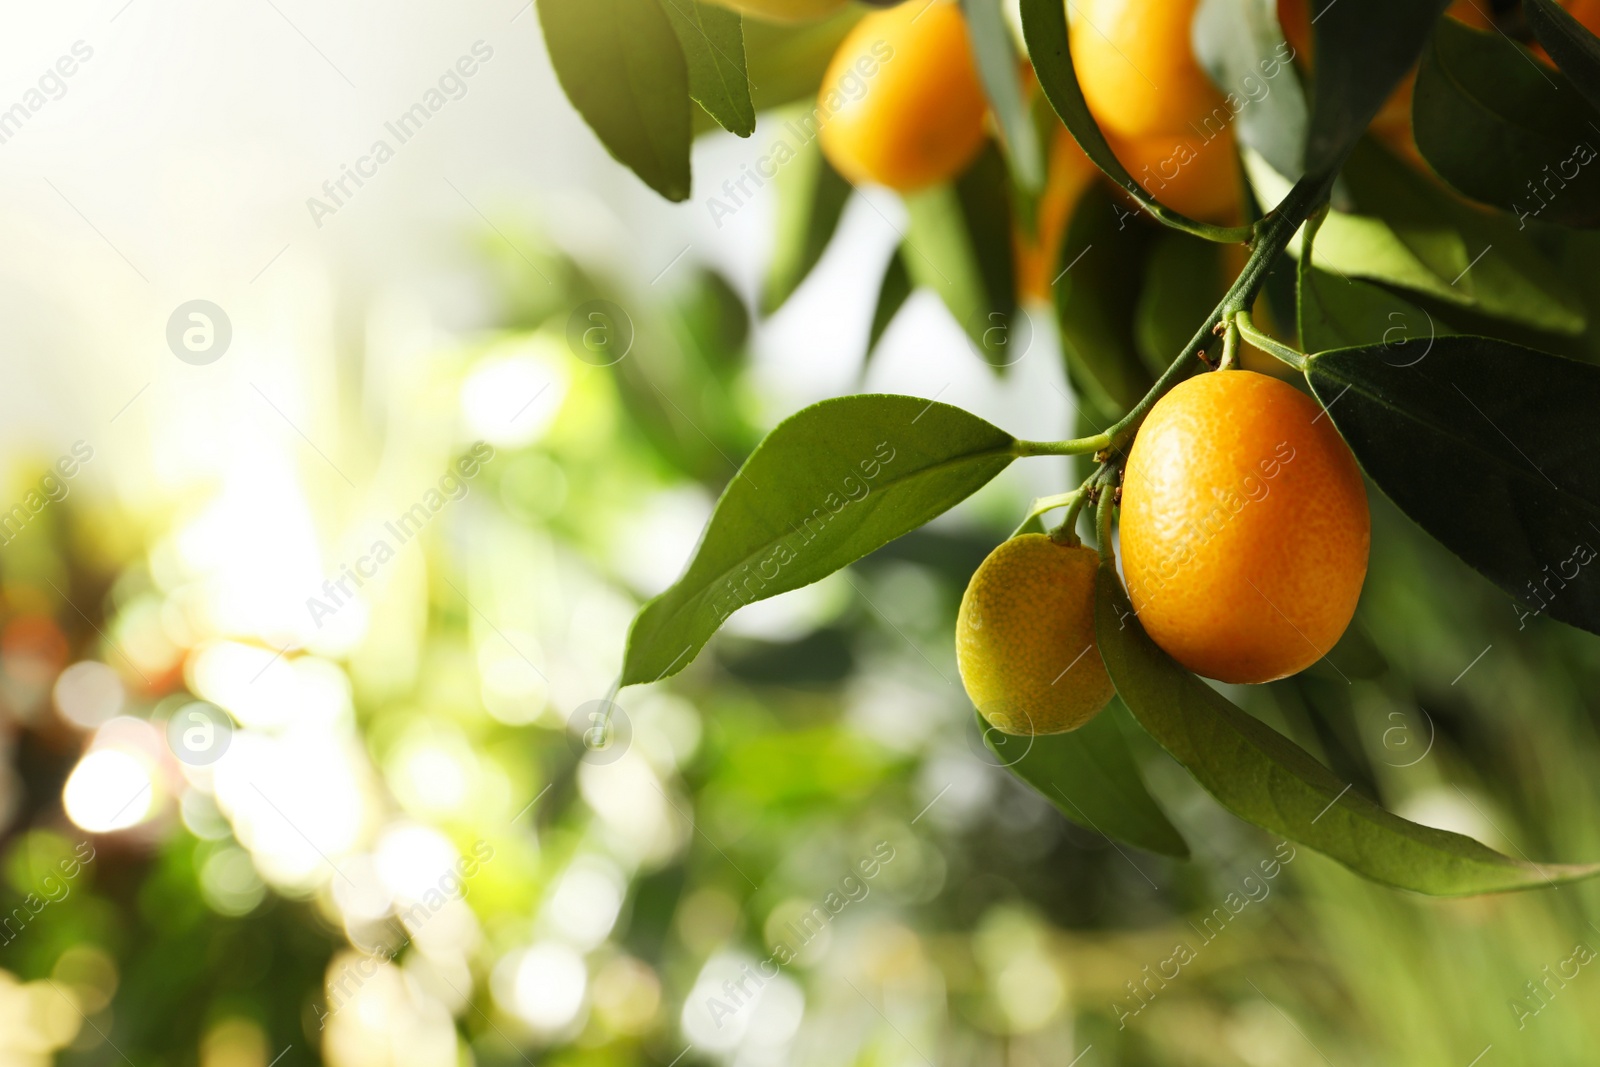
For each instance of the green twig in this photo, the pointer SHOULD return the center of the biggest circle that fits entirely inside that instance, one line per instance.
(1273, 234)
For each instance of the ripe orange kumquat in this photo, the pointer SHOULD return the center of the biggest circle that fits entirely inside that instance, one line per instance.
(901, 101)
(1244, 527)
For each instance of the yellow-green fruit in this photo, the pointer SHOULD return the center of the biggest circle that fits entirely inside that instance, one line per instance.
(1025, 638)
(785, 10)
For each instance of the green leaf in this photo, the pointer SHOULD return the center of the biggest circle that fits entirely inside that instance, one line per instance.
(1505, 130)
(1489, 447)
(1266, 779)
(1505, 276)
(1364, 48)
(1044, 28)
(1182, 283)
(1090, 776)
(1241, 47)
(1575, 50)
(1099, 272)
(712, 39)
(1339, 312)
(892, 294)
(811, 197)
(828, 485)
(787, 62)
(960, 247)
(999, 68)
(620, 64)
(1384, 187)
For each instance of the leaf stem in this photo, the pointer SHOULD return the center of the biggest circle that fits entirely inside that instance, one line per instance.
(1242, 322)
(1048, 503)
(1075, 447)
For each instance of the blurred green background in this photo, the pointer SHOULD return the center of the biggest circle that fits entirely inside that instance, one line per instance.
(796, 852)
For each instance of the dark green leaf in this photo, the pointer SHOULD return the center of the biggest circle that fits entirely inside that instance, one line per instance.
(828, 485)
(999, 68)
(1097, 288)
(1266, 779)
(1182, 283)
(1575, 50)
(1090, 776)
(620, 64)
(811, 197)
(1340, 312)
(1241, 47)
(712, 38)
(1489, 447)
(1364, 49)
(1044, 28)
(1505, 130)
(892, 294)
(959, 245)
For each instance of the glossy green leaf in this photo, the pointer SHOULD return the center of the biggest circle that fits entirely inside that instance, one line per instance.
(1090, 776)
(959, 245)
(1044, 28)
(1101, 265)
(893, 292)
(1337, 312)
(1505, 276)
(1574, 48)
(811, 197)
(999, 68)
(828, 485)
(620, 64)
(1390, 190)
(1505, 130)
(712, 39)
(1364, 48)
(1489, 447)
(1182, 283)
(1266, 779)
(1241, 47)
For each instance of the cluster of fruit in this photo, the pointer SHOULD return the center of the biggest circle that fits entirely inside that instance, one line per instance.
(1244, 526)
